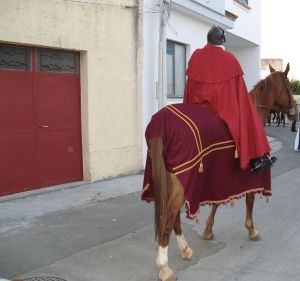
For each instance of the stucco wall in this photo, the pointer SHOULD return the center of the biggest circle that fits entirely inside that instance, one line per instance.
(108, 36)
(248, 23)
(249, 58)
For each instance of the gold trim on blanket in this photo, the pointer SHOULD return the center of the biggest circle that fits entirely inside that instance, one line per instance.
(205, 149)
(198, 141)
(205, 154)
(192, 122)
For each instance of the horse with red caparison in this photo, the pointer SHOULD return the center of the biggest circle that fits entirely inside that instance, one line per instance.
(191, 161)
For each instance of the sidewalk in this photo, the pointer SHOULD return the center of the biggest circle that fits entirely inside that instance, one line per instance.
(42, 201)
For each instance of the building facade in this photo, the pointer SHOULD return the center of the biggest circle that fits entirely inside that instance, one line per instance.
(78, 80)
(70, 98)
(186, 30)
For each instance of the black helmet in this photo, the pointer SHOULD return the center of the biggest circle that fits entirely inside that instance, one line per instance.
(216, 35)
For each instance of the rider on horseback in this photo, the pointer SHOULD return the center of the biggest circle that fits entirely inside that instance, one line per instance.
(215, 80)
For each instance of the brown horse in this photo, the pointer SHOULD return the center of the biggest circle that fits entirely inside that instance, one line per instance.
(272, 93)
(169, 194)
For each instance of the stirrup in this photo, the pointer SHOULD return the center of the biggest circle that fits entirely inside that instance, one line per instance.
(262, 163)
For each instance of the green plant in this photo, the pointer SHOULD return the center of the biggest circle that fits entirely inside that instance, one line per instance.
(295, 84)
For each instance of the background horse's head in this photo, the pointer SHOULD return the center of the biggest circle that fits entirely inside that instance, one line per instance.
(274, 93)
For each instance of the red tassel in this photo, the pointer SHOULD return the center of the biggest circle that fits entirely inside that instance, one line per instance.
(236, 154)
(201, 169)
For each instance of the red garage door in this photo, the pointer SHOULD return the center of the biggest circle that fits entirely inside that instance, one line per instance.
(40, 133)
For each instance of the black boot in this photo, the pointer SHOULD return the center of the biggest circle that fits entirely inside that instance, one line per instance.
(258, 164)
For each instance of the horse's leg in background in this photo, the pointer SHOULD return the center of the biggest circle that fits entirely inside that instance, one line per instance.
(274, 117)
(283, 119)
(278, 119)
(268, 120)
(208, 233)
(253, 233)
(185, 251)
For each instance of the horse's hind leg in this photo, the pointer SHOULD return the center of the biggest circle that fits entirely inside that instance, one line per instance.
(208, 232)
(185, 251)
(175, 201)
(253, 233)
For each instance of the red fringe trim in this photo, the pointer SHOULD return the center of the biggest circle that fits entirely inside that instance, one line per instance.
(228, 200)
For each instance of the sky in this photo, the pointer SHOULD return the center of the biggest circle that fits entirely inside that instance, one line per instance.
(280, 33)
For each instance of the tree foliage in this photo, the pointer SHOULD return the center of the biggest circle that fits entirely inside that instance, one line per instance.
(295, 84)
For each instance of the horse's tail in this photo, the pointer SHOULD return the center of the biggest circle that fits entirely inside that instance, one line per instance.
(159, 175)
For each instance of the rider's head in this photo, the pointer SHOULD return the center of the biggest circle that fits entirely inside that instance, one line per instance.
(216, 36)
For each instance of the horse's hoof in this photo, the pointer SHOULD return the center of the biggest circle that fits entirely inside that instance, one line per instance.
(207, 236)
(255, 236)
(167, 275)
(187, 253)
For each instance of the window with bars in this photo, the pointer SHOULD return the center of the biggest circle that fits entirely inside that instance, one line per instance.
(51, 60)
(176, 65)
(15, 57)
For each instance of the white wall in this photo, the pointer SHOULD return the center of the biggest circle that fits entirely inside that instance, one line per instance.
(189, 31)
(248, 23)
(218, 6)
(249, 58)
(246, 39)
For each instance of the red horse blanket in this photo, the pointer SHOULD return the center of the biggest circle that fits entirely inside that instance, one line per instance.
(199, 150)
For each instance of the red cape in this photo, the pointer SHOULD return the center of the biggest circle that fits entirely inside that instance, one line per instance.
(213, 65)
(215, 80)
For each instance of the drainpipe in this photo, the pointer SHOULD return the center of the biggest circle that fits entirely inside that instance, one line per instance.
(162, 70)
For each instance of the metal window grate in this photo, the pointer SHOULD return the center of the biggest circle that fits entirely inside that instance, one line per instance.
(15, 58)
(50, 60)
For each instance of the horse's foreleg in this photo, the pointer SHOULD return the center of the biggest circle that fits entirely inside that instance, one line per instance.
(185, 251)
(253, 233)
(175, 201)
(208, 233)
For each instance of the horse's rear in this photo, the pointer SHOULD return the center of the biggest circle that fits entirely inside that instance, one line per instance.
(191, 159)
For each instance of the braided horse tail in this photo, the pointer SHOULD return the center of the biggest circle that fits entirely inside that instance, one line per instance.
(160, 182)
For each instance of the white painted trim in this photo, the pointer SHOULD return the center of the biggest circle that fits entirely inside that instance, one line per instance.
(202, 13)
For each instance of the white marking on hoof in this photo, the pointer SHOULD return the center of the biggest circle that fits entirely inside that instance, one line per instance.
(185, 250)
(255, 236)
(182, 244)
(162, 256)
(187, 253)
(166, 274)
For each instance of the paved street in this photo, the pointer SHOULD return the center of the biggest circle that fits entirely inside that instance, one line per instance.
(103, 232)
